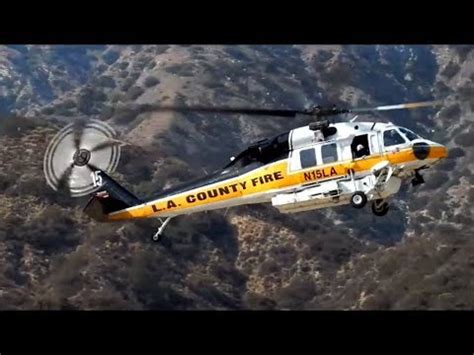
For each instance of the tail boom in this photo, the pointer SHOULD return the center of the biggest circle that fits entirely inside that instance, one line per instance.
(109, 198)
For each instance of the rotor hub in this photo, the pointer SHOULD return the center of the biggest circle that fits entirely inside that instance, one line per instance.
(81, 157)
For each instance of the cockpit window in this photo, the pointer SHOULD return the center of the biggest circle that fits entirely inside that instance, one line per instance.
(409, 134)
(392, 137)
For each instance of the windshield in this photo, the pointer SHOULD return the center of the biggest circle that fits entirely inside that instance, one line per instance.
(409, 134)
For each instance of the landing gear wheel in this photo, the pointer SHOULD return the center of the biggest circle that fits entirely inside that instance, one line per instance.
(380, 208)
(358, 199)
(156, 238)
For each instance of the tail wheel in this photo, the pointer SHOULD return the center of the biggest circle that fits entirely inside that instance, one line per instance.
(380, 208)
(358, 199)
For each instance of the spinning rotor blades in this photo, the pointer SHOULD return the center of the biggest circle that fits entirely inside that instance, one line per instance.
(228, 110)
(316, 111)
(78, 150)
(411, 105)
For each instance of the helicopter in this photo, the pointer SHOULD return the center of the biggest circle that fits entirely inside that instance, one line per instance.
(319, 165)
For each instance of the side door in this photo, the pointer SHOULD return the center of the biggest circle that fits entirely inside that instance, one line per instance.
(375, 144)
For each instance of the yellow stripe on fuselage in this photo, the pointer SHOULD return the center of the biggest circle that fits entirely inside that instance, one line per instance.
(274, 176)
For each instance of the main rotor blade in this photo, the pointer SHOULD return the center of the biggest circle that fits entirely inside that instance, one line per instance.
(228, 110)
(63, 181)
(106, 144)
(411, 105)
(78, 130)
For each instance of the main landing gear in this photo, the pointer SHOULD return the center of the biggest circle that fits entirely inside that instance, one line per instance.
(379, 207)
(358, 199)
(157, 236)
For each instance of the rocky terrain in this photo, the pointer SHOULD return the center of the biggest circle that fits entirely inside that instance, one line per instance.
(420, 256)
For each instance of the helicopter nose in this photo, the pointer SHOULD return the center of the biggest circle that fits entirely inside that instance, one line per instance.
(424, 150)
(421, 150)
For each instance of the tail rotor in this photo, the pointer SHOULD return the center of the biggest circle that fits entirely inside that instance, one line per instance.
(76, 152)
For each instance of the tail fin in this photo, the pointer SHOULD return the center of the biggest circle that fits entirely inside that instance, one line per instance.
(111, 197)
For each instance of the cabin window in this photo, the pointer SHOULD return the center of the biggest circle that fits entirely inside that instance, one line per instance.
(307, 158)
(329, 153)
(392, 137)
(409, 134)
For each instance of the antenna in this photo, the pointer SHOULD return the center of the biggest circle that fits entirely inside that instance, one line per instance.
(354, 118)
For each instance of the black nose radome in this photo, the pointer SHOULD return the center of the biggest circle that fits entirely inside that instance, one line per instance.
(421, 150)
(81, 157)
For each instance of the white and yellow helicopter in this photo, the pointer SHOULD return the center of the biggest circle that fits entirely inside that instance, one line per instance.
(320, 165)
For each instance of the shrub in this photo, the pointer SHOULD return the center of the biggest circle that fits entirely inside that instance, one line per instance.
(269, 266)
(442, 89)
(106, 113)
(14, 126)
(465, 139)
(116, 97)
(341, 72)
(101, 68)
(47, 110)
(320, 59)
(466, 92)
(123, 74)
(128, 84)
(447, 165)
(161, 49)
(451, 70)
(6, 180)
(52, 230)
(436, 180)
(462, 51)
(435, 208)
(68, 269)
(456, 153)
(296, 294)
(124, 116)
(135, 75)
(258, 302)
(123, 65)
(111, 57)
(134, 92)
(106, 81)
(68, 104)
(85, 101)
(181, 69)
(419, 202)
(451, 112)
(31, 185)
(470, 195)
(151, 81)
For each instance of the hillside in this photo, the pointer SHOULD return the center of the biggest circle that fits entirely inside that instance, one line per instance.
(420, 256)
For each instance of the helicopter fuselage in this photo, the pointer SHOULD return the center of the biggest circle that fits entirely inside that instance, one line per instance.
(295, 168)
